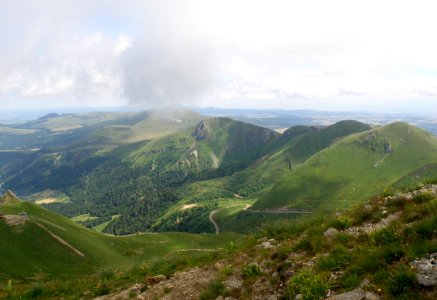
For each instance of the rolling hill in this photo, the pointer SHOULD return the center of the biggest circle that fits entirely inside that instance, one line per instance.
(230, 194)
(353, 169)
(145, 183)
(38, 244)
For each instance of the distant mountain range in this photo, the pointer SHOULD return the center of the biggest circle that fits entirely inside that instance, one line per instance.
(167, 170)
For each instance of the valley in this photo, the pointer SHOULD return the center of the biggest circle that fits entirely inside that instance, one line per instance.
(103, 202)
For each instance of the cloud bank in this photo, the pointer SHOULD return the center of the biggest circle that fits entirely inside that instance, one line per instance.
(264, 54)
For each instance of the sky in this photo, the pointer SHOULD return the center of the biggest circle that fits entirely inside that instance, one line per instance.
(327, 55)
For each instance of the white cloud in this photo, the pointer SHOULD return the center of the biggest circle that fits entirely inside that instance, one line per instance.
(260, 53)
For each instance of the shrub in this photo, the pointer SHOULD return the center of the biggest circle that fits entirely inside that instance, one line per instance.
(350, 281)
(385, 236)
(309, 285)
(336, 260)
(282, 229)
(343, 238)
(35, 291)
(427, 228)
(283, 252)
(227, 270)
(381, 276)
(423, 247)
(303, 244)
(251, 270)
(423, 197)
(341, 223)
(367, 262)
(215, 289)
(392, 253)
(361, 215)
(403, 283)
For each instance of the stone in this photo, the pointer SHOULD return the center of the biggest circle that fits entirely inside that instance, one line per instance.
(368, 207)
(357, 294)
(426, 270)
(365, 283)
(266, 245)
(155, 279)
(372, 296)
(330, 232)
(298, 297)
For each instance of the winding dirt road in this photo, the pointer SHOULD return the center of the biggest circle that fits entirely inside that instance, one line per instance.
(211, 216)
(211, 219)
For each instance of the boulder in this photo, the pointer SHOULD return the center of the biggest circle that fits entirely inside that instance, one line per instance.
(365, 283)
(152, 280)
(357, 294)
(266, 245)
(426, 270)
(330, 232)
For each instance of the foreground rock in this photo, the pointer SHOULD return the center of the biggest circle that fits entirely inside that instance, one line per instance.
(330, 232)
(426, 270)
(357, 294)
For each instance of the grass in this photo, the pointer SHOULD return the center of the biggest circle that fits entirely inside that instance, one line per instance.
(83, 218)
(353, 169)
(101, 227)
(30, 251)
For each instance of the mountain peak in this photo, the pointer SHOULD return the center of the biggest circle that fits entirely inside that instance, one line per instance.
(8, 198)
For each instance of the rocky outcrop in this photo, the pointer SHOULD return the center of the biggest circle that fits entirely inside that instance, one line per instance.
(388, 148)
(357, 294)
(8, 198)
(426, 270)
(201, 133)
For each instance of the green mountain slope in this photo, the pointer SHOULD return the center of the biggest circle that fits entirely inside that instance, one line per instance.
(354, 168)
(238, 190)
(48, 244)
(102, 129)
(219, 158)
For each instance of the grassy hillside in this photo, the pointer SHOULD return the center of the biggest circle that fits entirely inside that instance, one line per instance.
(213, 143)
(318, 139)
(30, 250)
(376, 250)
(239, 189)
(353, 169)
(219, 158)
(95, 129)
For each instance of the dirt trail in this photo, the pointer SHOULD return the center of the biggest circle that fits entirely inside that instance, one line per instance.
(60, 240)
(211, 219)
(212, 214)
(278, 211)
(50, 223)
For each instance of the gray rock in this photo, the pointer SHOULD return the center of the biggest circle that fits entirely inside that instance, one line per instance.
(372, 296)
(330, 232)
(368, 207)
(365, 283)
(426, 270)
(298, 297)
(266, 245)
(357, 294)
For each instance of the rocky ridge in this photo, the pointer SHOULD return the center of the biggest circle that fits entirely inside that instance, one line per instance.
(265, 269)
